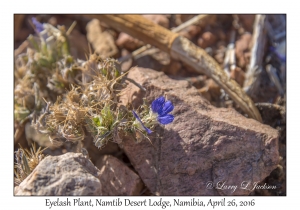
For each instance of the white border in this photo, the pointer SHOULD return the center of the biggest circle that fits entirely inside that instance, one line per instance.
(8, 8)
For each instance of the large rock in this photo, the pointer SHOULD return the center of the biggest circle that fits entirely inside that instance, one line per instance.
(204, 145)
(68, 174)
(117, 178)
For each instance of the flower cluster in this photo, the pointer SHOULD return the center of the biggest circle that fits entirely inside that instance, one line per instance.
(163, 108)
(159, 112)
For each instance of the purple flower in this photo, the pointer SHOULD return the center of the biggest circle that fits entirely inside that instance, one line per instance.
(39, 27)
(138, 118)
(162, 108)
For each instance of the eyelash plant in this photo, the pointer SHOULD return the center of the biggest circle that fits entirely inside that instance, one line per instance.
(68, 98)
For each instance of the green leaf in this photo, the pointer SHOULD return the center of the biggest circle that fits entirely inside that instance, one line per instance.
(98, 121)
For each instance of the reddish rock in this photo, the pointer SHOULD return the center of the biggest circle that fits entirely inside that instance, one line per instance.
(173, 68)
(247, 21)
(204, 91)
(214, 89)
(158, 19)
(207, 39)
(197, 81)
(242, 50)
(128, 42)
(184, 18)
(102, 42)
(152, 58)
(190, 32)
(211, 91)
(222, 35)
(202, 145)
(117, 178)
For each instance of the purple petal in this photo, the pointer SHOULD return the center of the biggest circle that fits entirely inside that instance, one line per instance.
(165, 119)
(157, 104)
(138, 118)
(272, 49)
(167, 107)
(39, 27)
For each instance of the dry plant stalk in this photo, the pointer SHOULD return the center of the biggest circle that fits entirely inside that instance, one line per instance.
(252, 81)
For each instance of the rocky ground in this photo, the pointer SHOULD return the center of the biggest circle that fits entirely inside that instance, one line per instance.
(210, 140)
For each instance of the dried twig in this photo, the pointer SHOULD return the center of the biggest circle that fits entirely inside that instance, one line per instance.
(258, 48)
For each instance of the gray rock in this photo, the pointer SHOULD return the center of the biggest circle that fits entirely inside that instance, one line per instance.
(204, 145)
(117, 178)
(68, 174)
